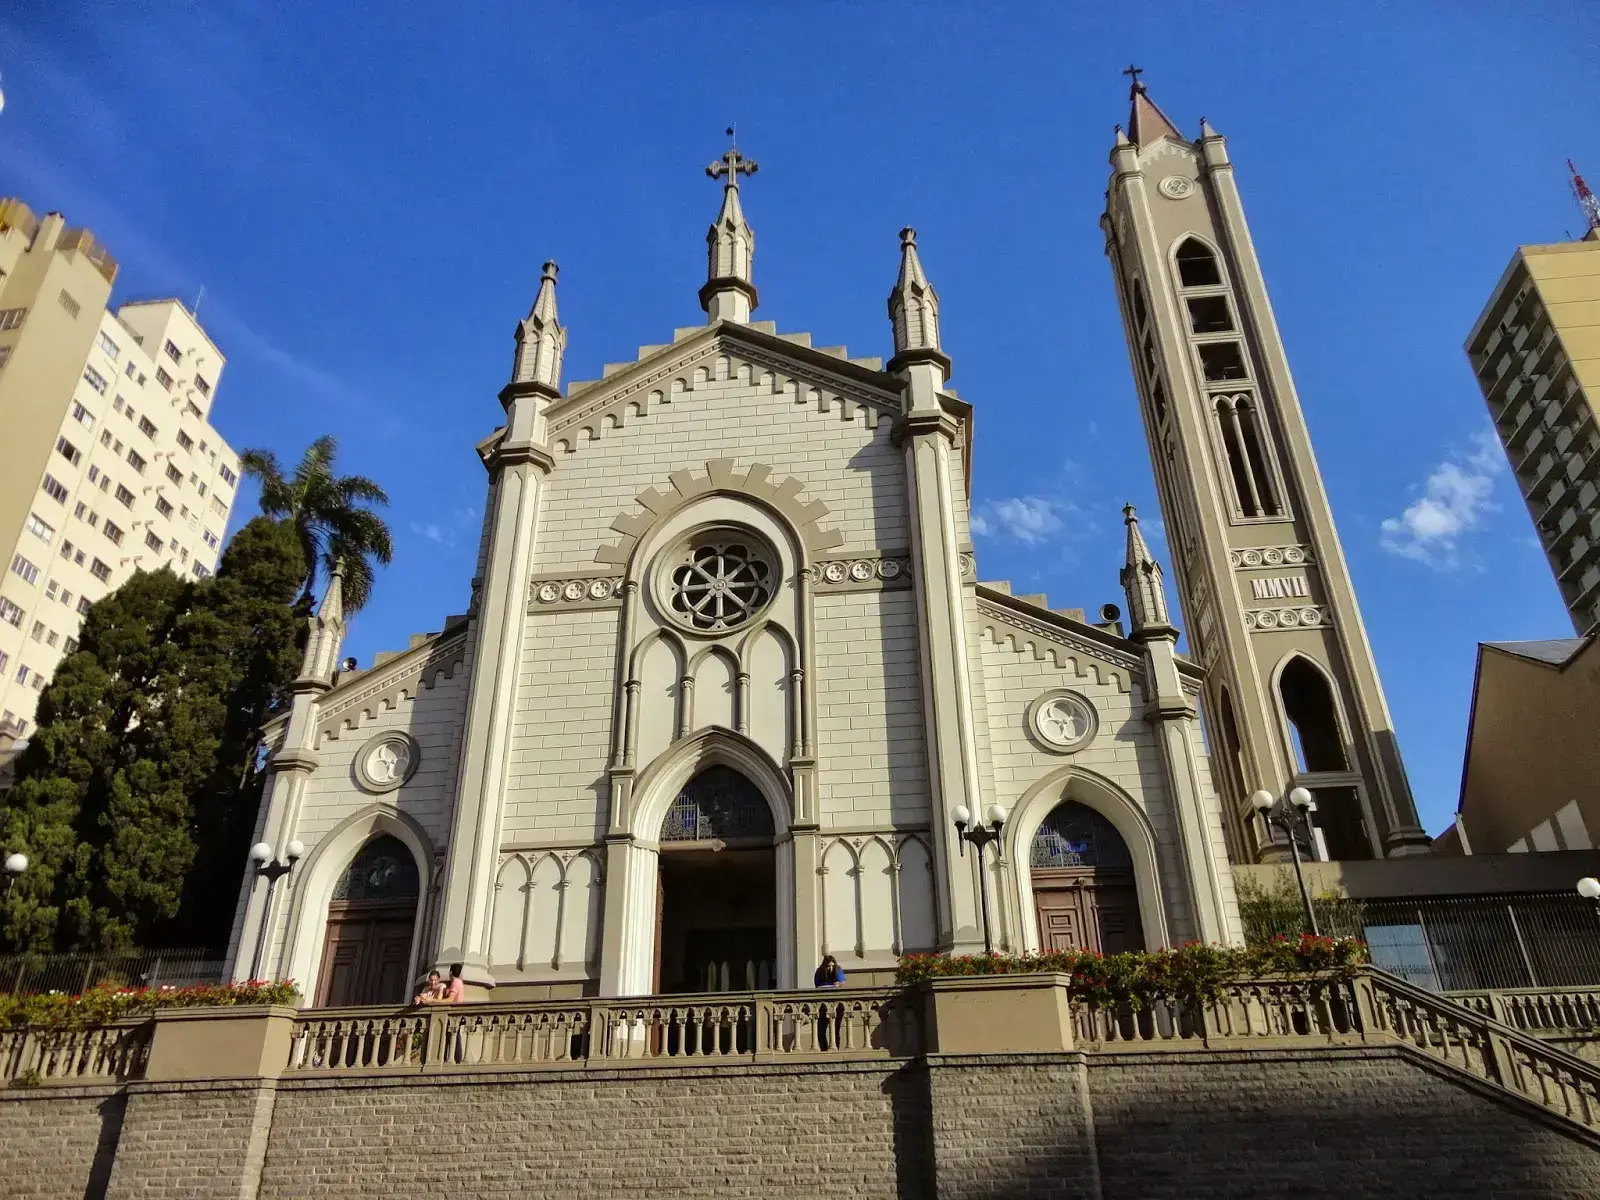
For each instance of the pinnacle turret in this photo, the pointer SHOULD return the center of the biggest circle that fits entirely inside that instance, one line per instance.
(1141, 582)
(541, 338)
(327, 633)
(729, 294)
(913, 305)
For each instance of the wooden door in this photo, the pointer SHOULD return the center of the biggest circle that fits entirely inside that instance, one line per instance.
(366, 956)
(1065, 920)
(1086, 910)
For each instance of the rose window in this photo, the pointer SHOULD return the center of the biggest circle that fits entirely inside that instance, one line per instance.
(721, 584)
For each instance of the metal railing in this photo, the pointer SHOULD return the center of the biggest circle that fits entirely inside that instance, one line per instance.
(22, 974)
(862, 1023)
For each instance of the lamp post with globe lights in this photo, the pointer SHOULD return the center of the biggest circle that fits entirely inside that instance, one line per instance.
(16, 864)
(980, 836)
(266, 868)
(1589, 889)
(1292, 814)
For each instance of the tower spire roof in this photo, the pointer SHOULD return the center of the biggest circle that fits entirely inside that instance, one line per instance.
(913, 304)
(1146, 121)
(729, 293)
(541, 338)
(1141, 582)
(321, 658)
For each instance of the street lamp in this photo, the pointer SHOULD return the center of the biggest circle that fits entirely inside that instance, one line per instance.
(1291, 817)
(1589, 889)
(16, 864)
(265, 867)
(980, 836)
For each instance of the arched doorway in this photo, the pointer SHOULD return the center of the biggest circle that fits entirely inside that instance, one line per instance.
(716, 899)
(366, 953)
(1083, 887)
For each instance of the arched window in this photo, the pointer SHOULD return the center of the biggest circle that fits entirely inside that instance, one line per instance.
(1253, 437)
(1231, 746)
(1313, 722)
(1197, 266)
(1075, 835)
(383, 870)
(1141, 314)
(1242, 435)
(717, 804)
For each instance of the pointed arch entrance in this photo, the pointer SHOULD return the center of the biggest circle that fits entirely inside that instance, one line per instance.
(716, 895)
(1084, 893)
(372, 916)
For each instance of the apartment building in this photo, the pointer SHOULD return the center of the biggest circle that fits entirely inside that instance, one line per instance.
(108, 461)
(1536, 352)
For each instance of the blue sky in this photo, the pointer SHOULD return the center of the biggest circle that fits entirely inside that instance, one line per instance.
(365, 191)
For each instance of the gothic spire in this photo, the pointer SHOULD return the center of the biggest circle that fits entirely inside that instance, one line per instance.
(913, 305)
(541, 338)
(1141, 582)
(1146, 122)
(327, 632)
(729, 294)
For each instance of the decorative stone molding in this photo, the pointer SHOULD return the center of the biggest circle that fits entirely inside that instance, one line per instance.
(866, 573)
(1085, 659)
(558, 593)
(1176, 187)
(722, 475)
(387, 761)
(384, 687)
(1062, 721)
(1260, 620)
(1270, 556)
(967, 565)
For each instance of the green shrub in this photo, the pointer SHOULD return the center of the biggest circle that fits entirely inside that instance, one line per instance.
(107, 1003)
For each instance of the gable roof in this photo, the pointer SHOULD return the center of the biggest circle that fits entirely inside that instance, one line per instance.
(1555, 652)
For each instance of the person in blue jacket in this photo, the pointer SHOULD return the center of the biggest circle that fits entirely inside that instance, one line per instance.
(829, 975)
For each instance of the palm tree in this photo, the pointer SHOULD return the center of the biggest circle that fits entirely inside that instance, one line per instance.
(329, 514)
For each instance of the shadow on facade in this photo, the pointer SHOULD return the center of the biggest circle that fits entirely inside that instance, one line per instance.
(111, 1111)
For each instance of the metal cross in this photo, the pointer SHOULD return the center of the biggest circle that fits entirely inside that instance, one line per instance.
(1133, 73)
(732, 164)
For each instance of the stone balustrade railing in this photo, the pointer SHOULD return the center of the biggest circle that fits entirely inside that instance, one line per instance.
(105, 1054)
(864, 1022)
(1546, 1011)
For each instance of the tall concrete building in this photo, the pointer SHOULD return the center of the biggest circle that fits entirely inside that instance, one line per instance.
(1292, 689)
(1536, 352)
(108, 461)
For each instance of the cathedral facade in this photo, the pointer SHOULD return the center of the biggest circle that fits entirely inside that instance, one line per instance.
(730, 691)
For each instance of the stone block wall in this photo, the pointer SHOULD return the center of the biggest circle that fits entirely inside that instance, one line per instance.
(58, 1143)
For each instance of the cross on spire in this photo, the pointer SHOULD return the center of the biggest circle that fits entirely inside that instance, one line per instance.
(732, 164)
(1133, 73)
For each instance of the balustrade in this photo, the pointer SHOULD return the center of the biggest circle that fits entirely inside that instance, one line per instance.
(105, 1054)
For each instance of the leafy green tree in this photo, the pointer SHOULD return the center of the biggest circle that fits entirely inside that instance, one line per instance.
(330, 513)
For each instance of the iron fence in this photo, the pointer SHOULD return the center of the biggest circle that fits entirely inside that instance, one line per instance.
(27, 973)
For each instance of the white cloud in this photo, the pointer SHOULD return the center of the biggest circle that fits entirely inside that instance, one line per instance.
(432, 532)
(980, 525)
(1029, 519)
(1454, 498)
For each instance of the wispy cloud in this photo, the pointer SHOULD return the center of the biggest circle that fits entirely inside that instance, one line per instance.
(1454, 498)
(450, 529)
(1028, 519)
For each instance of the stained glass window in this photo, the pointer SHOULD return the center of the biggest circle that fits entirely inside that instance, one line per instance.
(1074, 835)
(718, 803)
(384, 870)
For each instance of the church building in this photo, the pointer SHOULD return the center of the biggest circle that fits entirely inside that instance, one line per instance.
(729, 685)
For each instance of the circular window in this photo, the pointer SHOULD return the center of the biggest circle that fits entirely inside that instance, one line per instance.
(719, 580)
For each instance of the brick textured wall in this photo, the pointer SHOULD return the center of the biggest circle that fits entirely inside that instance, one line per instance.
(192, 1141)
(58, 1144)
(741, 1131)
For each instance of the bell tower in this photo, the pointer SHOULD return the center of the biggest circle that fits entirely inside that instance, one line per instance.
(1292, 692)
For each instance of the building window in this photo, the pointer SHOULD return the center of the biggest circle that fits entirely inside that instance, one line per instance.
(174, 474)
(51, 637)
(210, 539)
(218, 507)
(82, 415)
(113, 531)
(93, 519)
(23, 671)
(40, 529)
(83, 601)
(172, 351)
(21, 566)
(163, 379)
(72, 306)
(5, 355)
(100, 571)
(136, 461)
(185, 440)
(37, 632)
(110, 348)
(68, 451)
(66, 597)
(12, 318)
(94, 474)
(124, 496)
(50, 590)
(202, 386)
(1209, 314)
(153, 541)
(10, 613)
(80, 510)
(163, 506)
(147, 427)
(1197, 266)
(55, 489)
(96, 380)
(228, 477)
(193, 410)
(66, 549)
(200, 571)
(1242, 444)
(1222, 361)
(70, 646)
(1141, 314)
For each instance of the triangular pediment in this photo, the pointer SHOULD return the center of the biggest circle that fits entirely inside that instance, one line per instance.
(823, 380)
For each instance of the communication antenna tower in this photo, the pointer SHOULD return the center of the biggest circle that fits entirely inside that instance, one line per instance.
(1587, 200)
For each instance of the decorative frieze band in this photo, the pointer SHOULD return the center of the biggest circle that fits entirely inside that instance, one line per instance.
(553, 595)
(1260, 620)
(857, 574)
(1270, 556)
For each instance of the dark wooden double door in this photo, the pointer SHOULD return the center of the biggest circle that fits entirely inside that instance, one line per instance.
(366, 957)
(1087, 910)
